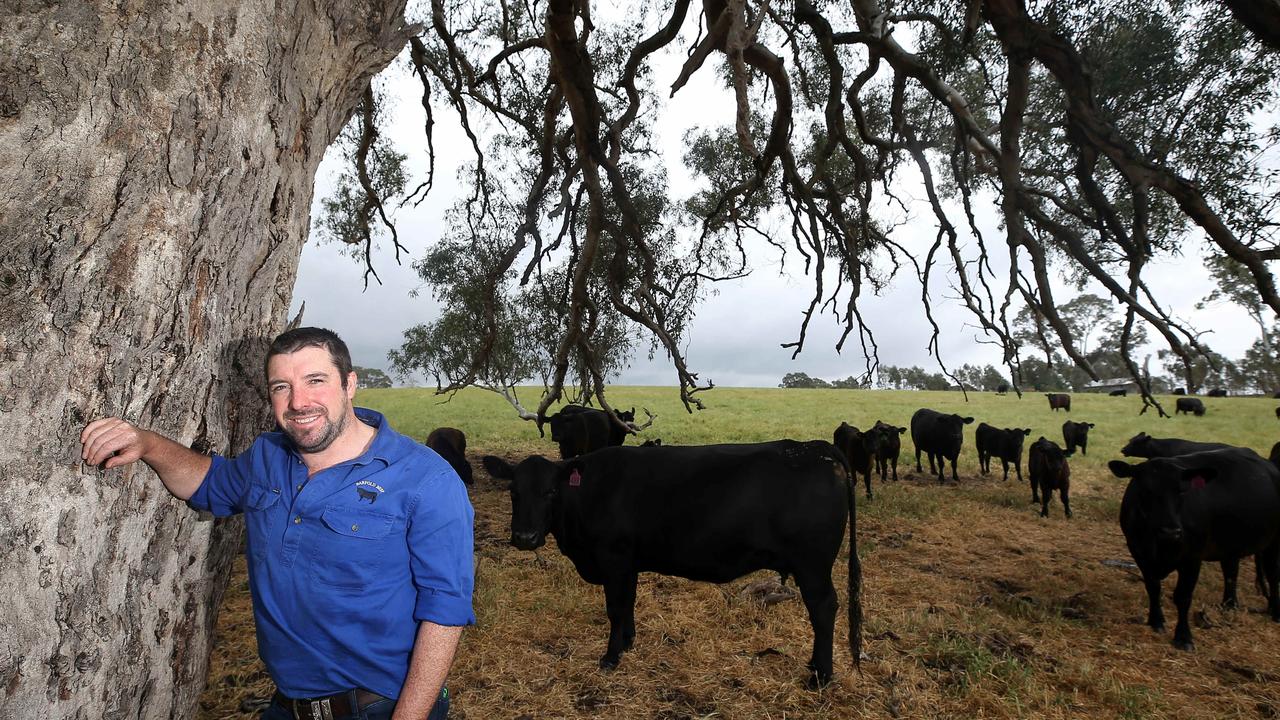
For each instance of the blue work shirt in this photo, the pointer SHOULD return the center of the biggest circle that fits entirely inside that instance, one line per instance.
(344, 565)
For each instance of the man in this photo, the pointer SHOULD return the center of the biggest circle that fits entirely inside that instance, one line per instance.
(359, 540)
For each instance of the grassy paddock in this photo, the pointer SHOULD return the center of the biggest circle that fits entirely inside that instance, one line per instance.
(975, 606)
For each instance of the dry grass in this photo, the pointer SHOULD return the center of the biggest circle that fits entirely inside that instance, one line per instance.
(975, 607)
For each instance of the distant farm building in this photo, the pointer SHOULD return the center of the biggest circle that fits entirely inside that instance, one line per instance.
(1106, 386)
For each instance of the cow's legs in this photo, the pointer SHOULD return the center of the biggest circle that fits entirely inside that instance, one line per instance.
(1188, 574)
(1035, 490)
(954, 477)
(820, 600)
(620, 604)
(1004, 464)
(895, 468)
(918, 468)
(1066, 501)
(1155, 616)
(866, 480)
(1017, 469)
(1230, 575)
(1046, 494)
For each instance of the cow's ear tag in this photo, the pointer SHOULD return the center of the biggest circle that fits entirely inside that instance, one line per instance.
(575, 478)
(1197, 482)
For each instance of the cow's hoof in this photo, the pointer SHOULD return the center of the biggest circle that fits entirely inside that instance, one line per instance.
(817, 680)
(1156, 627)
(607, 663)
(1184, 645)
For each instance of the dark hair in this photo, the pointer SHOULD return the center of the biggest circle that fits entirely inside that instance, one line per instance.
(294, 340)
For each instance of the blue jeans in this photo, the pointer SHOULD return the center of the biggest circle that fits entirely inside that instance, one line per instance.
(380, 710)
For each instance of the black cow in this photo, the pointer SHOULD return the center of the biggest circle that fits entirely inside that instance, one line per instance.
(1179, 391)
(656, 442)
(1002, 388)
(1122, 392)
(1278, 413)
(711, 513)
(579, 430)
(890, 448)
(1275, 454)
(451, 444)
(1219, 505)
(1217, 392)
(938, 436)
(1059, 401)
(860, 449)
(1076, 435)
(1275, 395)
(1049, 471)
(1189, 405)
(1144, 446)
(1004, 444)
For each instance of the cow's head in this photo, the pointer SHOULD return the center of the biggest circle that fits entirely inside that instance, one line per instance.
(888, 429)
(1138, 446)
(627, 415)
(535, 489)
(1054, 457)
(954, 424)
(1159, 487)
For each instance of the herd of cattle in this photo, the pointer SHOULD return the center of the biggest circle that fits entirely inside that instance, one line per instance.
(717, 512)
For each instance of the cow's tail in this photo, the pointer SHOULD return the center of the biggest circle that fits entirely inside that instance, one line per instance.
(855, 574)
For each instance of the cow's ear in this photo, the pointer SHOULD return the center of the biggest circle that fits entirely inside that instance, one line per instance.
(968, 421)
(1091, 425)
(498, 468)
(901, 430)
(1198, 477)
(1121, 469)
(1026, 431)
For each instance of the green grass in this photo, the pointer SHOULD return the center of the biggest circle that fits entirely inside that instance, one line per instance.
(760, 414)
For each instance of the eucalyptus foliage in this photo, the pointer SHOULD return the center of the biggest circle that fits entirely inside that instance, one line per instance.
(1111, 134)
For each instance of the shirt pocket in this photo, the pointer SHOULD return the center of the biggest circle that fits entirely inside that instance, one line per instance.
(259, 501)
(353, 548)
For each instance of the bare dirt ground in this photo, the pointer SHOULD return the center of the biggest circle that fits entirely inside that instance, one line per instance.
(975, 607)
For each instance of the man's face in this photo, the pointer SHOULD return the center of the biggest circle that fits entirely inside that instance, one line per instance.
(308, 399)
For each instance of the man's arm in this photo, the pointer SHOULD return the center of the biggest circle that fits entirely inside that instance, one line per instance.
(429, 666)
(112, 442)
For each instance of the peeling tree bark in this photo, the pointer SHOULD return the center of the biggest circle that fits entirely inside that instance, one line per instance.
(157, 161)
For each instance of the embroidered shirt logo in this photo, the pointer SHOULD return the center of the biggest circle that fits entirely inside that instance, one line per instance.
(369, 490)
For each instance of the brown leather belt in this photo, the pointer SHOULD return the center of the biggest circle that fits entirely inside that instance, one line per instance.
(330, 707)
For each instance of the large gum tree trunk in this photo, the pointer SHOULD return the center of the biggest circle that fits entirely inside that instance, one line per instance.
(156, 170)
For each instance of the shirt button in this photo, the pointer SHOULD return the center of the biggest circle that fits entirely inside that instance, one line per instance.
(297, 520)
(355, 528)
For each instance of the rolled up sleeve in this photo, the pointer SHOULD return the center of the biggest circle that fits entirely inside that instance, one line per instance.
(440, 538)
(223, 489)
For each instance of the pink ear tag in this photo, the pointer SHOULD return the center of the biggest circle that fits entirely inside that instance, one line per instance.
(575, 478)
(1197, 482)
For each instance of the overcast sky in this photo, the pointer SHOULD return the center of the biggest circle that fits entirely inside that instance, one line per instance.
(737, 335)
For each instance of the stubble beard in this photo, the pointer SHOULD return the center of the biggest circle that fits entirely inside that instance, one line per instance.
(330, 432)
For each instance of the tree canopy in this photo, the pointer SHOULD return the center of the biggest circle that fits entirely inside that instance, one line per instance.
(1111, 135)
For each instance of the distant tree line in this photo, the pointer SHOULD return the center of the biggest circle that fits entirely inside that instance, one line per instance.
(1097, 333)
(371, 377)
(802, 380)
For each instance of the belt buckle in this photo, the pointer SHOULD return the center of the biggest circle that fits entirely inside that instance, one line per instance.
(316, 709)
